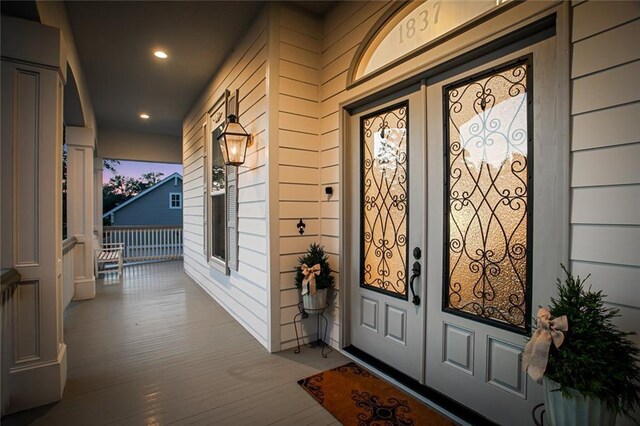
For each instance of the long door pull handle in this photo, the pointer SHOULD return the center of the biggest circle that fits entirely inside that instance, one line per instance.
(415, 273)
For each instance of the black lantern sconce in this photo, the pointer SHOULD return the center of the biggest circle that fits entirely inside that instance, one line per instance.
(234, 141)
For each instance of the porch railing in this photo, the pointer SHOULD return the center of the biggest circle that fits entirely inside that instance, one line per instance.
(68, 270)
(9, 281)
(142, 243)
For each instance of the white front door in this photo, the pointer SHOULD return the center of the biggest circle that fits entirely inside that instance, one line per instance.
(469, 169)
(495, 196)
(386, 211)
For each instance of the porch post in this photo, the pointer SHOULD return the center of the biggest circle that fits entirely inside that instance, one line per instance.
(80, 144)
(97, 196)
(32, 85)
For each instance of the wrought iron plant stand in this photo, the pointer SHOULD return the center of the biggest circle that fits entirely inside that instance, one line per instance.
(302, 314)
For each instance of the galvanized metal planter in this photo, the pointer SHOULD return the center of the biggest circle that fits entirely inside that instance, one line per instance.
(575, 411)
(314, 304)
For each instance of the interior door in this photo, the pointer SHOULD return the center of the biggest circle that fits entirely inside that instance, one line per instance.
(493, 133)
(387, 210)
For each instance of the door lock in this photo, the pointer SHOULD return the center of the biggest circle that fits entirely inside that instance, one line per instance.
(415, 273)
(417, 253)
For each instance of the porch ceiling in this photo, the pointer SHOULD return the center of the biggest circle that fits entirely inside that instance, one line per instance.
(116, 40)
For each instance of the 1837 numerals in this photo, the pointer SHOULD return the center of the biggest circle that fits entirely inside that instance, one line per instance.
(421, 23)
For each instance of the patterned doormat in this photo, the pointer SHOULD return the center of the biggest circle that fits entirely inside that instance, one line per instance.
(356, 397)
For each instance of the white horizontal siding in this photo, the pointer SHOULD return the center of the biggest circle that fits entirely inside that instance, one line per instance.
(618, 125)
(595, 53)
(617, 165)
(594, 17)
(245, 293)
(298, 158)
(605, 175)
(606, 89)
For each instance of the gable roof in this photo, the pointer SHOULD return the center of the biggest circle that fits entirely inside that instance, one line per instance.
(143, 193)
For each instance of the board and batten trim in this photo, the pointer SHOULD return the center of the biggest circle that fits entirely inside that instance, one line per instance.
(273, 263)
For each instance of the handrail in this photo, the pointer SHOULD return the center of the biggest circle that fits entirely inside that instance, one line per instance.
(10, 278)
(69, 244)
(134, 227)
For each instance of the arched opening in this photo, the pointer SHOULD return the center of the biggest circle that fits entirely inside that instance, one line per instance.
(410, 28)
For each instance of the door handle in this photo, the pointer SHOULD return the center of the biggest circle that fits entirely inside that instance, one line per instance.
(415, 273)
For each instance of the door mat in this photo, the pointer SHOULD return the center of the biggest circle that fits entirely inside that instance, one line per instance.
(356, 397)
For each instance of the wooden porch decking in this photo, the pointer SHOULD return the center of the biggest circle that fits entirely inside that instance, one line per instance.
(156, 349)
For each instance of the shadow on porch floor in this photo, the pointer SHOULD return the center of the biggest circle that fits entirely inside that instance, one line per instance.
(156, 349)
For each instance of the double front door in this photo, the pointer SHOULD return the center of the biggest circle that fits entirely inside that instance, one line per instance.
(441, 214)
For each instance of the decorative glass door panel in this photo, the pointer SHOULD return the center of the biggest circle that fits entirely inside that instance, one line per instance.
(487, 196)
(482, 140)
(384, 204)
(386, 209)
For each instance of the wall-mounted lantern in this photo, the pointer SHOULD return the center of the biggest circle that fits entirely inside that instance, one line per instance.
(234, 141)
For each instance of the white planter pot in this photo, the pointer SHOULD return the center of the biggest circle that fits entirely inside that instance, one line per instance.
(575, 411)
(316, 303)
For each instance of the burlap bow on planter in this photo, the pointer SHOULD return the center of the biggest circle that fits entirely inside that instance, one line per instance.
(536, 353)
(309, 281)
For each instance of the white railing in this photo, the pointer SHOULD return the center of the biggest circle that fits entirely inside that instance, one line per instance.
(9, 281)
(68, 270)
(142, 243)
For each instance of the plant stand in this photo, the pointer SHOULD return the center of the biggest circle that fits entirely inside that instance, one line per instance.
(318, 342)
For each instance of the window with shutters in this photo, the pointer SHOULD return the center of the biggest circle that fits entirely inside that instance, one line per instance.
(221, 190)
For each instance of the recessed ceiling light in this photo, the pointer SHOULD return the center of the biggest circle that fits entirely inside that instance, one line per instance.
(144, 116)
(160, 54)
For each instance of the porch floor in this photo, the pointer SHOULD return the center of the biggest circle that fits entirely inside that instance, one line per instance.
(156, 349)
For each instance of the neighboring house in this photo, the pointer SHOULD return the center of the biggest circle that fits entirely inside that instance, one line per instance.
(160, 204)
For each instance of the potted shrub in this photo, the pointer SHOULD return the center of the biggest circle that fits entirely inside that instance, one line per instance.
(594, 374)
(314, 279)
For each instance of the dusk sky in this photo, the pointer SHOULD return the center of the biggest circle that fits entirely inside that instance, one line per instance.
(137, 168)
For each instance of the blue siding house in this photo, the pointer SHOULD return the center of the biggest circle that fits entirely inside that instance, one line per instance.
(160, 204)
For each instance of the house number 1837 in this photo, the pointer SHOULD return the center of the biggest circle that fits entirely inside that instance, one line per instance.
(421, 23)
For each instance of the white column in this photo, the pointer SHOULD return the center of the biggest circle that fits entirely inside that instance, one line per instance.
(97, 196)
(32, 86)
(80, 144)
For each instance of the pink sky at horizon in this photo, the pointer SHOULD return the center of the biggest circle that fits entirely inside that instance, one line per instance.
(138, 168)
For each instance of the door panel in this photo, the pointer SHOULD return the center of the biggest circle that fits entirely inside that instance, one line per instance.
(386, 163)
(475, 338)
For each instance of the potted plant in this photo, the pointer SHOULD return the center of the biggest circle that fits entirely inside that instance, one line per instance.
(314, 279)
(592, 372)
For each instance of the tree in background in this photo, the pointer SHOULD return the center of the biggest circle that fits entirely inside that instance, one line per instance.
(122, 188)
(111, 165)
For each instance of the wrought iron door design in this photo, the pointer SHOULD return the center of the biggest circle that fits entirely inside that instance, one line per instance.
(385, 209)
(487, 196)
(384, 201)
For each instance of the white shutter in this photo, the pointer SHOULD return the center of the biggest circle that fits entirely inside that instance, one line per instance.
(232, 218)
(232, 199)
(205, 193)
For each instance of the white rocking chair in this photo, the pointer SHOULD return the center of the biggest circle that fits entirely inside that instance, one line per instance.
(107, 254)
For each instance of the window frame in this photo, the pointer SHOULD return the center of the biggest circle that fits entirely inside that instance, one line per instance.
(215, 118)
(179, 199)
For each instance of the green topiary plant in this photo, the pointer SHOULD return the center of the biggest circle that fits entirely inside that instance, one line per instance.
(315, 255)
(596, 358)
